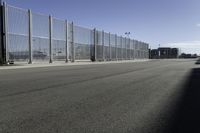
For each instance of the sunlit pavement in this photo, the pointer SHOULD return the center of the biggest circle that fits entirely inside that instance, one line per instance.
(157, 96)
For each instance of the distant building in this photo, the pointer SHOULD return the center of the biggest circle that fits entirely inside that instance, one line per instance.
(154, 54)
(183, 55)
(164, 53)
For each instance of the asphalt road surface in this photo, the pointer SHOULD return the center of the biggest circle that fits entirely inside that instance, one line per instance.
(159, 96)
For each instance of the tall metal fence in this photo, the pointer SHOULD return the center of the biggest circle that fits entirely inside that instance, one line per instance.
(32, 37)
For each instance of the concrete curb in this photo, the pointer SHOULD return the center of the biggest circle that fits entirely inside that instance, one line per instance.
(36, 65)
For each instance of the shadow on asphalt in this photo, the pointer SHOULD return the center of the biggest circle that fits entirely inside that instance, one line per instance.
(197, 62)
(186, 118)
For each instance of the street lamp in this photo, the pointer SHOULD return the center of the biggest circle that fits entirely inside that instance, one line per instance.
(127, 34)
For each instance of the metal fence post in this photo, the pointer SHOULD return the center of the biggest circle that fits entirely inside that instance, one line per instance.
(5, 34)
(110, 56)
(50, 38)
(143, 51)
(66, 43)
(121, 48)
(1, 33)
(116, 46)
(73, 47)
(148, 53)
(136, 49)
(133, 49)
(140, 50)
(103, 48)
(129, 49)
(30, 36)
(126, 48)
(95, 46)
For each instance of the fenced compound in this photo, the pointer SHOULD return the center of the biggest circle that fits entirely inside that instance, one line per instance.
(32, 37)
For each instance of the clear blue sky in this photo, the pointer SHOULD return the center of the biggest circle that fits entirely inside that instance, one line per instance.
(166, 22)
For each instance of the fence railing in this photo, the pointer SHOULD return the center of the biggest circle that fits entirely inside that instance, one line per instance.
(32, 37)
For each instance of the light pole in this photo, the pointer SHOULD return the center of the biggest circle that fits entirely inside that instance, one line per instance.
(127, 34)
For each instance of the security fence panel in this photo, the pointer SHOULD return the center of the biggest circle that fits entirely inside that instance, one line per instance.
(59, 40)
(128, 51)
(131, 50)
(147, 51)
(140, 53)
(113, 47)
(144, 50)
(82, 42)
(119, 48)
(40, 48)
(32, 36)
(70, 40)
(136, 49)
(17, 34)
(106, 46)
(124, 48)
(139, 50)
(99, 38)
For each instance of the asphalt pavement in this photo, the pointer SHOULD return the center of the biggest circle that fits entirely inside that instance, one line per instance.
(157, 96)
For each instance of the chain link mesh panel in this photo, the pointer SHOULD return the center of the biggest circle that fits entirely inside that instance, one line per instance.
(140, 52)
(40, 48)
(83, 42)
(17, 28)
(18, 40)
(136, 48)
(124, 48)
(70, 34)
(119, 48)
(128, 51)
(59, 40)
(131, 50)
(113, 47)
(106, 46)
(99, 45)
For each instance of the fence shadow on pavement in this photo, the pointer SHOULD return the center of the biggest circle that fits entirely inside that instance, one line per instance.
(186, 116)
